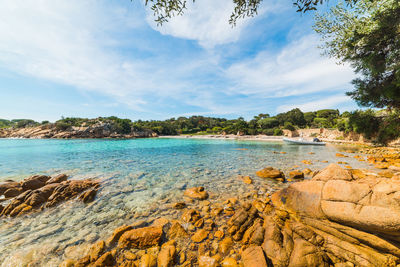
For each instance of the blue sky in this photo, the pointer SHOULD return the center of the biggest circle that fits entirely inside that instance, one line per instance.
(100, 58)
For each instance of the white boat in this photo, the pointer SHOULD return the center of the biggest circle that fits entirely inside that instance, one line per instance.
(302, 141)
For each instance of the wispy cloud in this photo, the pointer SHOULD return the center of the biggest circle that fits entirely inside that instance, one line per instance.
(114, 49)
(207, 22)
(296, 69)
(328, 102)
(73, 43)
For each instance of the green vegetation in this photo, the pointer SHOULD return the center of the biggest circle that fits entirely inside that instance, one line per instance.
(381, 126)
(121, 126)
(17, 123)
(367, 37)
(260, 124)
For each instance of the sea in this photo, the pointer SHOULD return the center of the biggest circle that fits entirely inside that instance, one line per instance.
(140, 178)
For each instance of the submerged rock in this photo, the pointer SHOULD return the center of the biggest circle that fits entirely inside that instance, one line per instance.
(270, 172)
(334, 219)
(196, 193)
(57, 179)
(4, 186)
(36, 192)
(141, 238)
(34, 182)
(296, 174)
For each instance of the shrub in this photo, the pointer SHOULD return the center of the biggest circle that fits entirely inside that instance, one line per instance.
(390, 129)
(62, 126)
(278, 131)
(289, 126)
(25, 123)
(268, 123)
(322, 123)
(341, 124)
(268, 131)
(364, 122)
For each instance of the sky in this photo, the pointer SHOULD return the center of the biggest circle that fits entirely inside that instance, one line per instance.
(96, 58)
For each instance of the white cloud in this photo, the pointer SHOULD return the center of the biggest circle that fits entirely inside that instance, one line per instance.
(71, 42)
(295, 70)
(327, 102)
(82, 44)
(206, 21)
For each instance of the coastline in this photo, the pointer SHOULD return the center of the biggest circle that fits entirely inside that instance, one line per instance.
(266, 138)
(227, 137)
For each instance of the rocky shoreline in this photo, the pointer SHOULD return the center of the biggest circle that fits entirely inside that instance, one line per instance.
(37, 192)
(332, 217)
(97, 130)
(337, 218)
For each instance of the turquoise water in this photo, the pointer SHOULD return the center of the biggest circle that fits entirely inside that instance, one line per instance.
(140, 178)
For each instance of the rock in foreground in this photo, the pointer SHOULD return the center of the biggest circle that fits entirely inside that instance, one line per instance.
(40, 191)
(335, 218)
(196, 193)
(270, 172)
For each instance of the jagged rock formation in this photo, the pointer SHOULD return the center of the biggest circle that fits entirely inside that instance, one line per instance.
(96, 130)
(334, 219)
(41, 191)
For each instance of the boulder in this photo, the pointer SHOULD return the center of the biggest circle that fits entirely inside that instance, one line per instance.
(206, 261)
(96, 250)
(148, 260)
(105, 261)
(191, 216)
(335, 218)
(116, 235)
(307, 171)
(176, 231)
(179, 205)
(200, 235)
(167, 254)
(229, 262)
(70, 189)
(13, 192)
(4, 186)
(57, 179)
(246, 179)
(225, 245)
(39, 196)
(141, 238)
(296, 174)
(270, 172)
(333, 172)
(88, 196)
(254, 257)
(196, 193)
(34, 182)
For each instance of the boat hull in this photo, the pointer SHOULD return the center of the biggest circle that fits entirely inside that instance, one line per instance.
(303, 142)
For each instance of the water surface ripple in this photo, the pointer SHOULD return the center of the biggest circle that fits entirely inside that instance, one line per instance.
(139, 177)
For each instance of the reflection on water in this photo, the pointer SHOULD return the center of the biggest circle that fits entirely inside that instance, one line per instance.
(139, 178)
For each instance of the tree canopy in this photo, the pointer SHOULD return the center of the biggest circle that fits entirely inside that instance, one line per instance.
(368, 37)
(165, 9)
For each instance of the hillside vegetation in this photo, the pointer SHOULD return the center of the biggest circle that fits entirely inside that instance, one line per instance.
(380, 126)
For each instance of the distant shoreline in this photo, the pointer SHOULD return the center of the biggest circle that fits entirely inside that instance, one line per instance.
(265, 138)
(227, 137)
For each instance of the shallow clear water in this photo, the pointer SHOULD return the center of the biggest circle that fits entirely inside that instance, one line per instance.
(139, 178)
